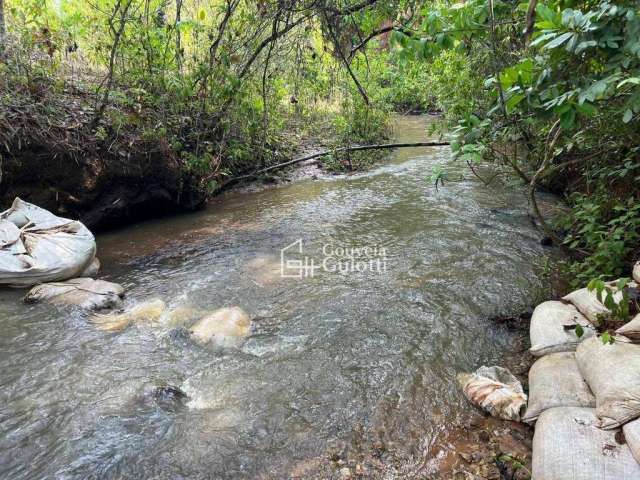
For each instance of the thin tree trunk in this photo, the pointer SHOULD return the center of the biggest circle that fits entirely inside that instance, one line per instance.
(3, 28)
(112, 58)
(531, 20)
(178, 39)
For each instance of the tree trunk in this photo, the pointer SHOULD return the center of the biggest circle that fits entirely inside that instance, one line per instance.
(3, 28)
(178, 39)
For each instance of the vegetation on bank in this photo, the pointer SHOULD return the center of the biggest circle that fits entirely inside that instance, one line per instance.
(545, 92)
(549, 92)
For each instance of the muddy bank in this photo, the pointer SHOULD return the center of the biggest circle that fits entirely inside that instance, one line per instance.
(100, 188)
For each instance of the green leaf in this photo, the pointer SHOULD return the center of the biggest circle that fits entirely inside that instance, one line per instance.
(628, 115)
(513, 101)
(579, 331)
(567, 119)
(632, 81)
(607, 338)
(559, 40)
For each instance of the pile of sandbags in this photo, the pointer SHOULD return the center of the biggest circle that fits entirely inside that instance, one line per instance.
(584, 392)
(57, 255)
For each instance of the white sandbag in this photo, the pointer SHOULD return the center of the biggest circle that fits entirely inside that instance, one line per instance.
(37, 247)
(632, 436)
(568, 445)
(84, 292)
(613, 374)
(495, 390)
(223, 327)
(92, 269)
(631, 329)
(636, 272)
(551, 331)
(587, 302)
(555, 381)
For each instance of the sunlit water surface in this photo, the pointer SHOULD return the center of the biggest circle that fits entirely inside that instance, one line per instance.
(329, 354)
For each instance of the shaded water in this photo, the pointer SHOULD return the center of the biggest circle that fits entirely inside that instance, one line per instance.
(332, 358)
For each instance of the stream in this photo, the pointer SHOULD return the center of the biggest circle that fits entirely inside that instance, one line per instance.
(341, 353)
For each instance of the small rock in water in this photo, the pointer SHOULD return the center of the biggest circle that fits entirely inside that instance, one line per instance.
(86, 293)
(165, 396)
(179, 333)
(496, 391)
(169, 393)
(225, 326)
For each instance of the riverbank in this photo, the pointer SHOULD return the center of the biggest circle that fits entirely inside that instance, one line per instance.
(137, 162)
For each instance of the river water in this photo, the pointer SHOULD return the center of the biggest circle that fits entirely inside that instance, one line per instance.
(355, 358)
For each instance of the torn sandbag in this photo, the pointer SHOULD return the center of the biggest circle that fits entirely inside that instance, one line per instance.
(223, 327)
(495, 390)
(555, 381)
(568, 445)
(612, 371)
(631, 432)
(150, 310)
(84, 292)
(631, 329)
(553, 328)
(38, 247)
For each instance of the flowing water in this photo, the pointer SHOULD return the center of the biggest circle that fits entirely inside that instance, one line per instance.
(333, 358)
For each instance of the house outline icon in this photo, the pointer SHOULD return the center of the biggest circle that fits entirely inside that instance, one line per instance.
(286, 265)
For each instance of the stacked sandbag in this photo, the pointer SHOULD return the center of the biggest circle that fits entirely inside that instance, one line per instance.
(631, 329)
(612, 371)
(632, 437)
(568, 445)
(36, 246)
(86, 293)
(636, 272)
(553, 328)
(586, 301)
(555, 381)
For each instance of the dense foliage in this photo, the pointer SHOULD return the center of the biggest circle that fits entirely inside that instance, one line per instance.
(550, 91)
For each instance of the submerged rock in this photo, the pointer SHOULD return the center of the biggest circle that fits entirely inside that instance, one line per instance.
(225, 326)
(495, 390)
(150, 310)
(84, 292)
(179, 316)
(165, 396)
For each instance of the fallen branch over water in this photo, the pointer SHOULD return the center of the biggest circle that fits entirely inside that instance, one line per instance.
(357, 148)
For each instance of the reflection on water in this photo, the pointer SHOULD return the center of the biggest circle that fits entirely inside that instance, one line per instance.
(330, 358)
